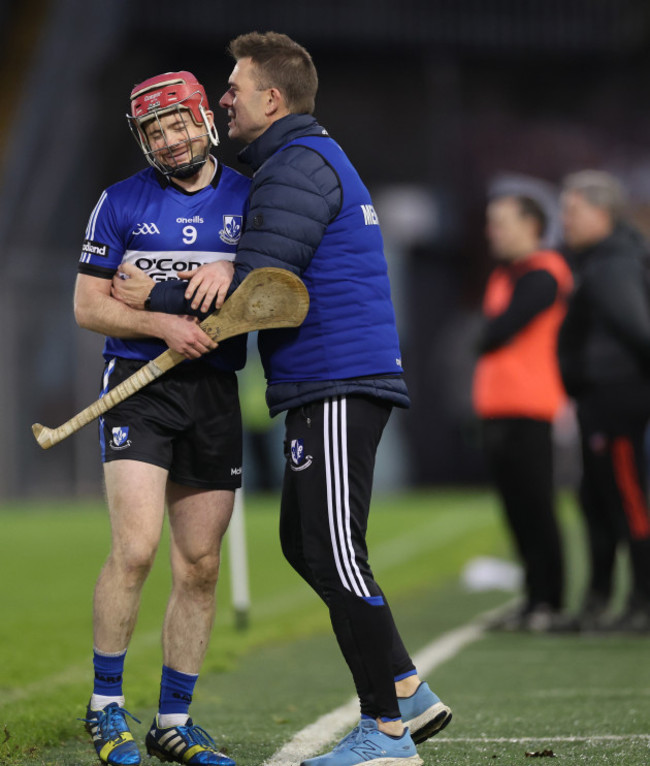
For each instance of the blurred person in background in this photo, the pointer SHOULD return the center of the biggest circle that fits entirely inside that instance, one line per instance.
(177, 442)
(517, 394)
(604, 352)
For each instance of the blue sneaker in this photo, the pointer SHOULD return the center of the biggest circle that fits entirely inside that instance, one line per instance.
(111, 736)
(367, 744)
(423, 713)
(184, 744)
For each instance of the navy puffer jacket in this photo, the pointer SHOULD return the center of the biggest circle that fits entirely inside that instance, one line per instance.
(295, 196)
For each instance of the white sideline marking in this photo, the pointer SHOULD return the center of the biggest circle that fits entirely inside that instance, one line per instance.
(523, 740)
(308, 741)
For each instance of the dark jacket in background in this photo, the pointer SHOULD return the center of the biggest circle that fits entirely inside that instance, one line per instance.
(605, 337)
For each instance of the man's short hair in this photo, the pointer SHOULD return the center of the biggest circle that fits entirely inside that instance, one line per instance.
(531, 208)
(600, 189)
(280, 63)
(528, 207)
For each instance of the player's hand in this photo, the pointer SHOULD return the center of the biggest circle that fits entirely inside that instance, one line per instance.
(131, 285)
(208, 283)
(183, 334)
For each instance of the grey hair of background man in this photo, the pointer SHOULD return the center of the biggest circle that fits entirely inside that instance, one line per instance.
(600, 189)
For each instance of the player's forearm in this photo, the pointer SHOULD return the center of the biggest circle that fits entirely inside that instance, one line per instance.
(107, 316)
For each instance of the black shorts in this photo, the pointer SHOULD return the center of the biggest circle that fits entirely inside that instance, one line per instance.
(187, 421)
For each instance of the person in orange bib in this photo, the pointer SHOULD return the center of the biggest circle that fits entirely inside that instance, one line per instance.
(518, 392)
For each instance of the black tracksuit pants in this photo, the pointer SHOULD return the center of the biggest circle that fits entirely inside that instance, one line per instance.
(330, 449)
(613, 491)
(519, 455)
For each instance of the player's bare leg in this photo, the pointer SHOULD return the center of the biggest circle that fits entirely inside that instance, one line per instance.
(135, 493)
(198, 522)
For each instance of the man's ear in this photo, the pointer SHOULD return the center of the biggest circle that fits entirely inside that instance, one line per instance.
(275, 103)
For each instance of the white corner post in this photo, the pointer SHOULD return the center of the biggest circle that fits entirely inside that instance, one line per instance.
(239, 588)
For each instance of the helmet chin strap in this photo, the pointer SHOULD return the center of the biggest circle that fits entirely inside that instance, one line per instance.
(188, 169)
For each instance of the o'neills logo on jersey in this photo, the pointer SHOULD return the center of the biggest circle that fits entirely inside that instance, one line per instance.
(95, 248)
(196, 219)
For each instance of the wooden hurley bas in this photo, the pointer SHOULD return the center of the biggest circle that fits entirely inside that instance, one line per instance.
(267, 298)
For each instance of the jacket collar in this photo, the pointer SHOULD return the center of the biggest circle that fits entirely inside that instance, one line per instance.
(278, 135)
(623, 240)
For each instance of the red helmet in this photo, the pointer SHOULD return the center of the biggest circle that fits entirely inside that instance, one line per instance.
(166, 90)
(160, 95)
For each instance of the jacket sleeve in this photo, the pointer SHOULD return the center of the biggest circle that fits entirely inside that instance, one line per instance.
(570, 347)
(619, 293)
(534, 292)
(295, 195)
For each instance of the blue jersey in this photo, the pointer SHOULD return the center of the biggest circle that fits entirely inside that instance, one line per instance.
(153, 224)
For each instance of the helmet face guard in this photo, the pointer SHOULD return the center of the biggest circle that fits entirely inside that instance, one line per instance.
(178, 95)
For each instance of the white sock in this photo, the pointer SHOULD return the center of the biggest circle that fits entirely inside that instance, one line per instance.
(168, 720)
(100, 701)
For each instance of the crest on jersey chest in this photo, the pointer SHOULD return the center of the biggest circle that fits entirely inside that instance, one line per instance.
(231, 231)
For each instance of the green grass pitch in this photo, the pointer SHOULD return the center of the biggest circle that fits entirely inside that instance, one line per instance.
(586, 700)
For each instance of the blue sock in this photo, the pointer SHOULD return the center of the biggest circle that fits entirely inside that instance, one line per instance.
(176, 691)
(406, 675)
(109, 669)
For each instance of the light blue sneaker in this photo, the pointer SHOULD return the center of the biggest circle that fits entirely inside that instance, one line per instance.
(111, 736)
(423, 713)
(367, 744)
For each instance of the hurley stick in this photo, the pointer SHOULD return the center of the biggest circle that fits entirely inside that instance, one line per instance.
(267, 298)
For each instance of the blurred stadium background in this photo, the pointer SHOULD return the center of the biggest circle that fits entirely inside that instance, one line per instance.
(434, 100)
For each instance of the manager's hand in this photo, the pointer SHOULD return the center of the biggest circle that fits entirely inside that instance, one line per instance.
(131, 285)
(208, 283)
